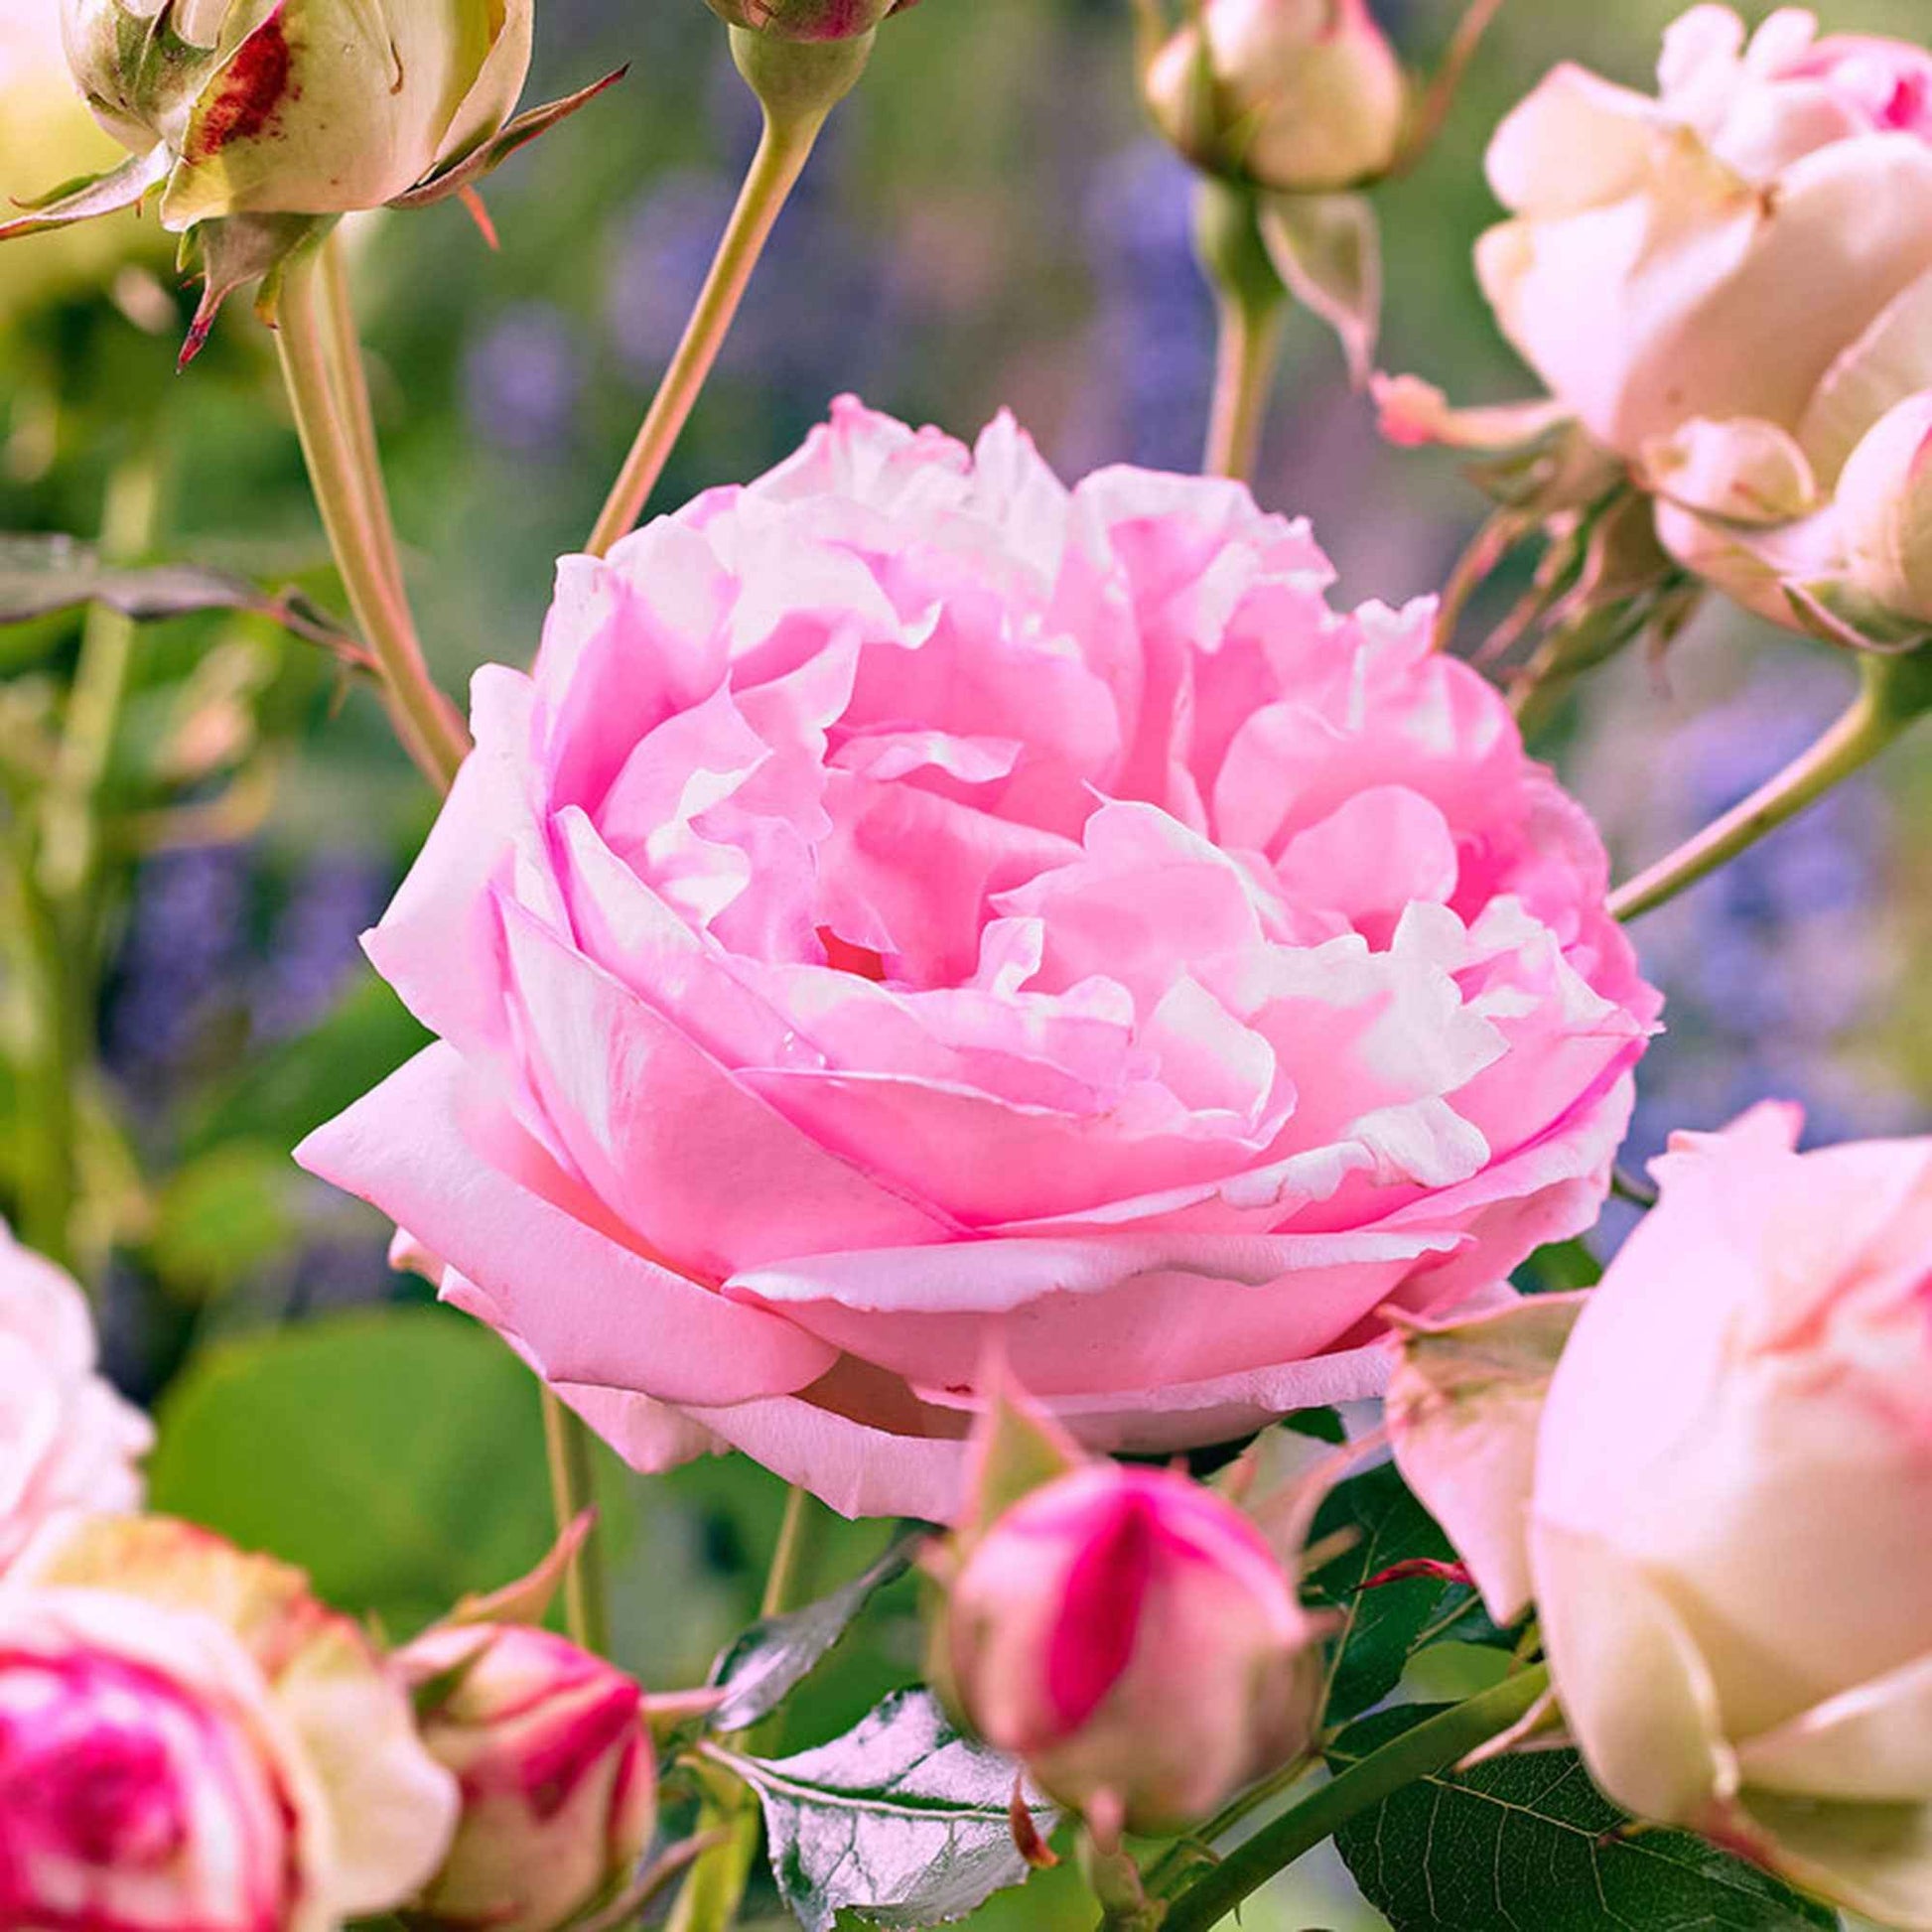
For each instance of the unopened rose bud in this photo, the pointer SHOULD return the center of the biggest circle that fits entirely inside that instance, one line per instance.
(341, 104)
(1132, 1637)
(807, 20)
(1884, 512)
(550, 1749)
(1300, 95)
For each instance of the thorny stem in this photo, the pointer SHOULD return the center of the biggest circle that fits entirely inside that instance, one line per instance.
(322, 368)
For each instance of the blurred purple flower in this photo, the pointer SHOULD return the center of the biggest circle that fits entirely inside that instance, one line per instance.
(313, 949)
(521, 381)
(1154, 352)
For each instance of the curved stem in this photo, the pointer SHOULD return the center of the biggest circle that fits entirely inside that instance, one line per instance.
(783, 150)
(713, 1893)
(1431, 1747)
(323, 377)
(1885, 707)
(572, 1490)
(1251, 303)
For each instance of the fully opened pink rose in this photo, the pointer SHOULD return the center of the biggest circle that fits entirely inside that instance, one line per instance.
(67, 1440)
(914, 908)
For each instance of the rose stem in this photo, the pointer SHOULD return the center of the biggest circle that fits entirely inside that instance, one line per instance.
(1251, 304)
(1896, 689)
(1431, 1747)
(798, 85)
(323, 368)
(572, 1490)
(715, 1889)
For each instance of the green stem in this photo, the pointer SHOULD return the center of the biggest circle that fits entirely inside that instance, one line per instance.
(69, 850)
(324, 375)
(713, 1893)
(572, 1490)
(1896, 690)
(782, 151)
(48, 1170)
(1429, 1748)
(1252, 304)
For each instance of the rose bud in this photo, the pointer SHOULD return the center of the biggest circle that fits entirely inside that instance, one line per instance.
(550, 1749)
(807, 20)
(189, 1743)
(1727, 1528)
(262, 120)
(67, 1440)
(1132, 1639)
(1711, 252)
(1299, 96)
(1884, 513)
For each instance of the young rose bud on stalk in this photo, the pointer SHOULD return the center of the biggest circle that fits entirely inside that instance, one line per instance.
(261, 120)
(1132, 1638)
(1297, 95)
(554, 1759)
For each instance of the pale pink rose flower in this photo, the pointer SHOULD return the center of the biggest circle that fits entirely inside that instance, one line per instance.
(1714, 250)
(189, 1743)
(67, 1440)
(555, 1762)
(914, 908)
(1733, 1479)
(1132, 1637)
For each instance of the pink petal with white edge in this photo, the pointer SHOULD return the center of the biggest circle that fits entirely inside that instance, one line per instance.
(435, 1155)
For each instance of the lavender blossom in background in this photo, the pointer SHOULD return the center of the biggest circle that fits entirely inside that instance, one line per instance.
(521, 382)
(1152, 355)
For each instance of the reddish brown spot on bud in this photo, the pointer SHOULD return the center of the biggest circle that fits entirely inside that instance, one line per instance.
(245, 100)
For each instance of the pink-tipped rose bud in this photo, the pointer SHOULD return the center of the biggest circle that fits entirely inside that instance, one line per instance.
(807, 20)
(67, 1440)
(1302, 95)
(550, 1749)
(1132, 1638)
(1728, 1531)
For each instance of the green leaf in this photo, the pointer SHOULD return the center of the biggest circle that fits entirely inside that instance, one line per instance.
(1383, 1628)
(1529, 1841)
(902, 1822)
(395, 1454)
(762, 1668)
(221, 1216)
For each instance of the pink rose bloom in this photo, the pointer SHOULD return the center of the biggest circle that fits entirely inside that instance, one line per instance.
(913, 909)
(67, 1440)
(1727, 1530)
(1132, 1638)
(1715, 250)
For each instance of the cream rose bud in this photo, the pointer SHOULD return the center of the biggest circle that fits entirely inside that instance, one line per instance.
(1728, 1522)
(1301, 94)
(1884, 512)
(1131, 1636)
(550, 1749)
(67, 1440)
(304, 107)
(1711, 251)
(189, 1743)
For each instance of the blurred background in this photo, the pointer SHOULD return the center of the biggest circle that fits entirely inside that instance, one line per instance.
(987, 223)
